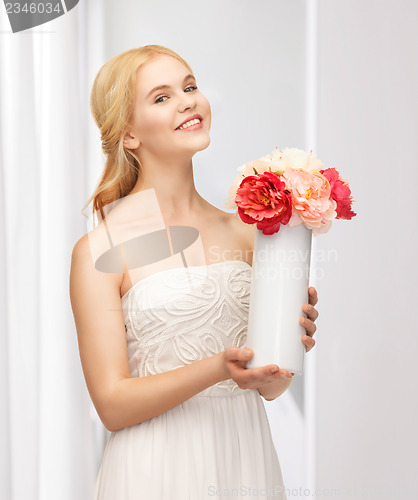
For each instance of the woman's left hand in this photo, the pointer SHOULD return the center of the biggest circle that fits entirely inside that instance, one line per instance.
(308, 323)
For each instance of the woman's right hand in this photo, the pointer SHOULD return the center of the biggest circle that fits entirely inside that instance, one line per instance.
(236, 358)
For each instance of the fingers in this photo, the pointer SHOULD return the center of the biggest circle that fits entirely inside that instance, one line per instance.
(234, 353)
(309, 326)
(251, 378)
(310, 311)
(308, 323)
(313, 295)
(309, 342)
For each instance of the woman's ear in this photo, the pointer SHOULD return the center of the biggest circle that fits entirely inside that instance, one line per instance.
(130, 142)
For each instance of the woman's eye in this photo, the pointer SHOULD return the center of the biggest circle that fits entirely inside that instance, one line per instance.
(192, 87)
(158, 100)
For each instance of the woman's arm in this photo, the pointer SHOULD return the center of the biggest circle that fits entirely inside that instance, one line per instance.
(133, 400)
(120, 400)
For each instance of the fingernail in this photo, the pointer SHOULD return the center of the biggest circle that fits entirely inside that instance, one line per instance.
(273, 370)
(247, 353)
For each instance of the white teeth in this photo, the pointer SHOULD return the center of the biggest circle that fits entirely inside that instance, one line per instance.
(190, 123)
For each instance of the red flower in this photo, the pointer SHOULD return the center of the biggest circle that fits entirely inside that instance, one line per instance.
(263, 199)
(340, 192)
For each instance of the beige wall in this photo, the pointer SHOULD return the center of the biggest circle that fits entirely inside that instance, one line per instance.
(367, 336)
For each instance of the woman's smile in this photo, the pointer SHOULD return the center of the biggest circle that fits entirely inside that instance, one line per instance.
(195, 126)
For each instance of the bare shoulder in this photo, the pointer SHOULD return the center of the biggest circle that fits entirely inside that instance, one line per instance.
(246, 230)
(84, 256)
(87, 283)
(81, 248)
(233, 223)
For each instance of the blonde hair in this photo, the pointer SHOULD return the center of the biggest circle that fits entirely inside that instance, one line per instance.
(112, 101)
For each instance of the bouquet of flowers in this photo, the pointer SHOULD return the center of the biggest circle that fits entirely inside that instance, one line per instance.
(290, 197)
(290, 187)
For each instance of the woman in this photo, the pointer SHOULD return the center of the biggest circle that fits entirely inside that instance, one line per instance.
(162, 344)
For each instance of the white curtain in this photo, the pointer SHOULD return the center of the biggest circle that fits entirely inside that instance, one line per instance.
(51, 438)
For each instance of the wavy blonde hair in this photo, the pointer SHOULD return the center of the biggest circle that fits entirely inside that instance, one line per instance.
(112, 101)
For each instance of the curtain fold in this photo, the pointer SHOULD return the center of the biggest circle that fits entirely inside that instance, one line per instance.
(51, 437)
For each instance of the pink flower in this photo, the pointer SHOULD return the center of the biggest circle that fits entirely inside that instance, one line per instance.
(264, 199)
(311, 200)
(340, 192)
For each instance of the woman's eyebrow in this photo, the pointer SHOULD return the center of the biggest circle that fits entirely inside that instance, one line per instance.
(159, 87)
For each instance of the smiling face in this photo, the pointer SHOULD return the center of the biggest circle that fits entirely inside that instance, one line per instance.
(159, 112)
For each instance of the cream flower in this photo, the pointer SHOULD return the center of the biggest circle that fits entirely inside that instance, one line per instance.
(230, 201)
(296, 158)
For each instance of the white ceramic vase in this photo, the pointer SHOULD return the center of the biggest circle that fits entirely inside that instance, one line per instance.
(279, 288)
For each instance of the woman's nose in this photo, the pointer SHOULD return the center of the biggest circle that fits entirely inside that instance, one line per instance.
(188, 101)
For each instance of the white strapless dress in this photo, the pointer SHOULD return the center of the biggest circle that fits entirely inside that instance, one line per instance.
(217, 444)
